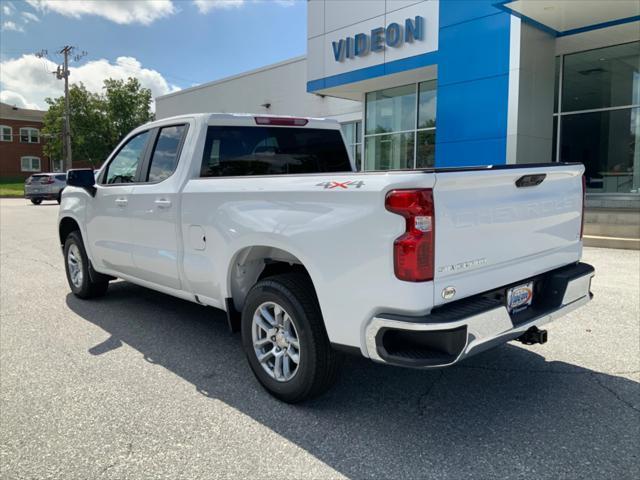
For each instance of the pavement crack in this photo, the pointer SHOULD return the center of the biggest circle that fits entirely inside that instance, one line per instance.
(614, 393)
(422, 399)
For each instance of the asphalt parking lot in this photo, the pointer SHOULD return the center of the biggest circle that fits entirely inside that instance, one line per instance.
(141, 385)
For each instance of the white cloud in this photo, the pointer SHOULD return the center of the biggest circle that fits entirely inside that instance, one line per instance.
(14, 98)
(29, 17)
(11, 27)
(29, 77)
(7, 9)
(144, 12)
(206, 6)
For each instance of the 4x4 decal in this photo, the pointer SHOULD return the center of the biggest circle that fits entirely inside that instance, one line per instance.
(345, 185)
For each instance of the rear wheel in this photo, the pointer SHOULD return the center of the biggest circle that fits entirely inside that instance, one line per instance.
(285, 341)
(36, 201)
(77, 267)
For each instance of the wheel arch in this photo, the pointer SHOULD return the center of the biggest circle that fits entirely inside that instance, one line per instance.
(66, 226)
(253, 263)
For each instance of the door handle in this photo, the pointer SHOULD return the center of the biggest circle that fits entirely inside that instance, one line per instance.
(163, 203)
(121, 202)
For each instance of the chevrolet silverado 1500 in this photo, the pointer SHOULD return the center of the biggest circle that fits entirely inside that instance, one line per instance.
(265, 218)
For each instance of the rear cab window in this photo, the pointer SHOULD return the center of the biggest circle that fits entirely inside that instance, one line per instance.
(247, 150)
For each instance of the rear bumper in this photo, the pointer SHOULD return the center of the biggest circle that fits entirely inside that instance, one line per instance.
(460, 329)
(43, 195)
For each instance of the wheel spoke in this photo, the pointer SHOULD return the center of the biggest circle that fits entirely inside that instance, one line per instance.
(294, 356)
(266, 356)
(277, 367)
(286, 365)
(262, 323)
(294, 342)
(264, 312)
(262, 342)
(278, 313)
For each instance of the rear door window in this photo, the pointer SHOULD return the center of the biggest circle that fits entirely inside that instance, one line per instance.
(234, 151)
(166, 151)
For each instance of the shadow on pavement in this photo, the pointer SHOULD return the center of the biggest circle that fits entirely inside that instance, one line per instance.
(504, 413)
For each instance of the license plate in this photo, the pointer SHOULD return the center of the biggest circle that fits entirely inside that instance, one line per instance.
(519, 298)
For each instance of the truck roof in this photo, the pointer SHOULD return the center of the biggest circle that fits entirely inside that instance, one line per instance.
(243, 118)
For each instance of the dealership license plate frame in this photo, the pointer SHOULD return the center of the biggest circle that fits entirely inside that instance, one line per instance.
(515, 302)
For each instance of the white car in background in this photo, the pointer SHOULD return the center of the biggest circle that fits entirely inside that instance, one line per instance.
(44, 186)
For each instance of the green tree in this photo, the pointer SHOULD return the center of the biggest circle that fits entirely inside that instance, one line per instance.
(98, 120)
(127, 105)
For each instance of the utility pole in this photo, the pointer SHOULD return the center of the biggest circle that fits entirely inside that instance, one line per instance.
(62, 73)
(66, 129)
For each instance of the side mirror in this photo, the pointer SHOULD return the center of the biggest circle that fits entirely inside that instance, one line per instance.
(83, 178)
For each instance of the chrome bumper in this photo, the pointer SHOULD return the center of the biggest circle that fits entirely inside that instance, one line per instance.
(483, 330)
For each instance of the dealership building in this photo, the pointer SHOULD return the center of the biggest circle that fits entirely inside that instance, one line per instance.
(450, 83)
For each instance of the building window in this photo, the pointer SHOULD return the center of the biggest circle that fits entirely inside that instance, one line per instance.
(6, 133)
(30, 164)
(400, 127)
(29, 135)
(353, 137)
(597, 116)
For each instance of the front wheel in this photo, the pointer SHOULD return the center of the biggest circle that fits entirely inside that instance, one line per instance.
(36, 201)
(285, 341)
(76, 265)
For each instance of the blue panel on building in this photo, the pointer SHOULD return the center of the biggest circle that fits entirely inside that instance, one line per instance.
(473, 83)
(474, 49)
(471, 153)
(458, 11)
(473, 110)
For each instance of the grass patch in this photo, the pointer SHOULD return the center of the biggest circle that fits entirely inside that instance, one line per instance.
(11, 187)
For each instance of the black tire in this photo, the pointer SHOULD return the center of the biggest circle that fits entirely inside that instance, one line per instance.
(318, 362)
(86, 288)
(36, 201)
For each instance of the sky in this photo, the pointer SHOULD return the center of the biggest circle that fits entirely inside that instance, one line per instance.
(167, 44)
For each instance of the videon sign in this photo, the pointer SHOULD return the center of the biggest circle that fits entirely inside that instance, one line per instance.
(393, 36)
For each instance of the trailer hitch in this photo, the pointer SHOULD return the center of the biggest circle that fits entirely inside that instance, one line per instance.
(532, 336)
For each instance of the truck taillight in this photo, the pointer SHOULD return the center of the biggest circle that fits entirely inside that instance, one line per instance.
(584, 201)
(414, 250)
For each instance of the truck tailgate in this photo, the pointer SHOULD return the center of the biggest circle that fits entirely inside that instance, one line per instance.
(491, 232)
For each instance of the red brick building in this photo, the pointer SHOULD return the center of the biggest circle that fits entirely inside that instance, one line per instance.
(21, 143)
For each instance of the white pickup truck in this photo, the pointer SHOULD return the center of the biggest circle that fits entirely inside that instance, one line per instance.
(264, 217)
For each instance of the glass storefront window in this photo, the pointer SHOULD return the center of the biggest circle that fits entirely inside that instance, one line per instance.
(400, 127)
(353, 138)
(598, 92)
(426, 149)
(601, 78)
(391, 110)
(607, 144)
(427, 104)
(389, 152)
